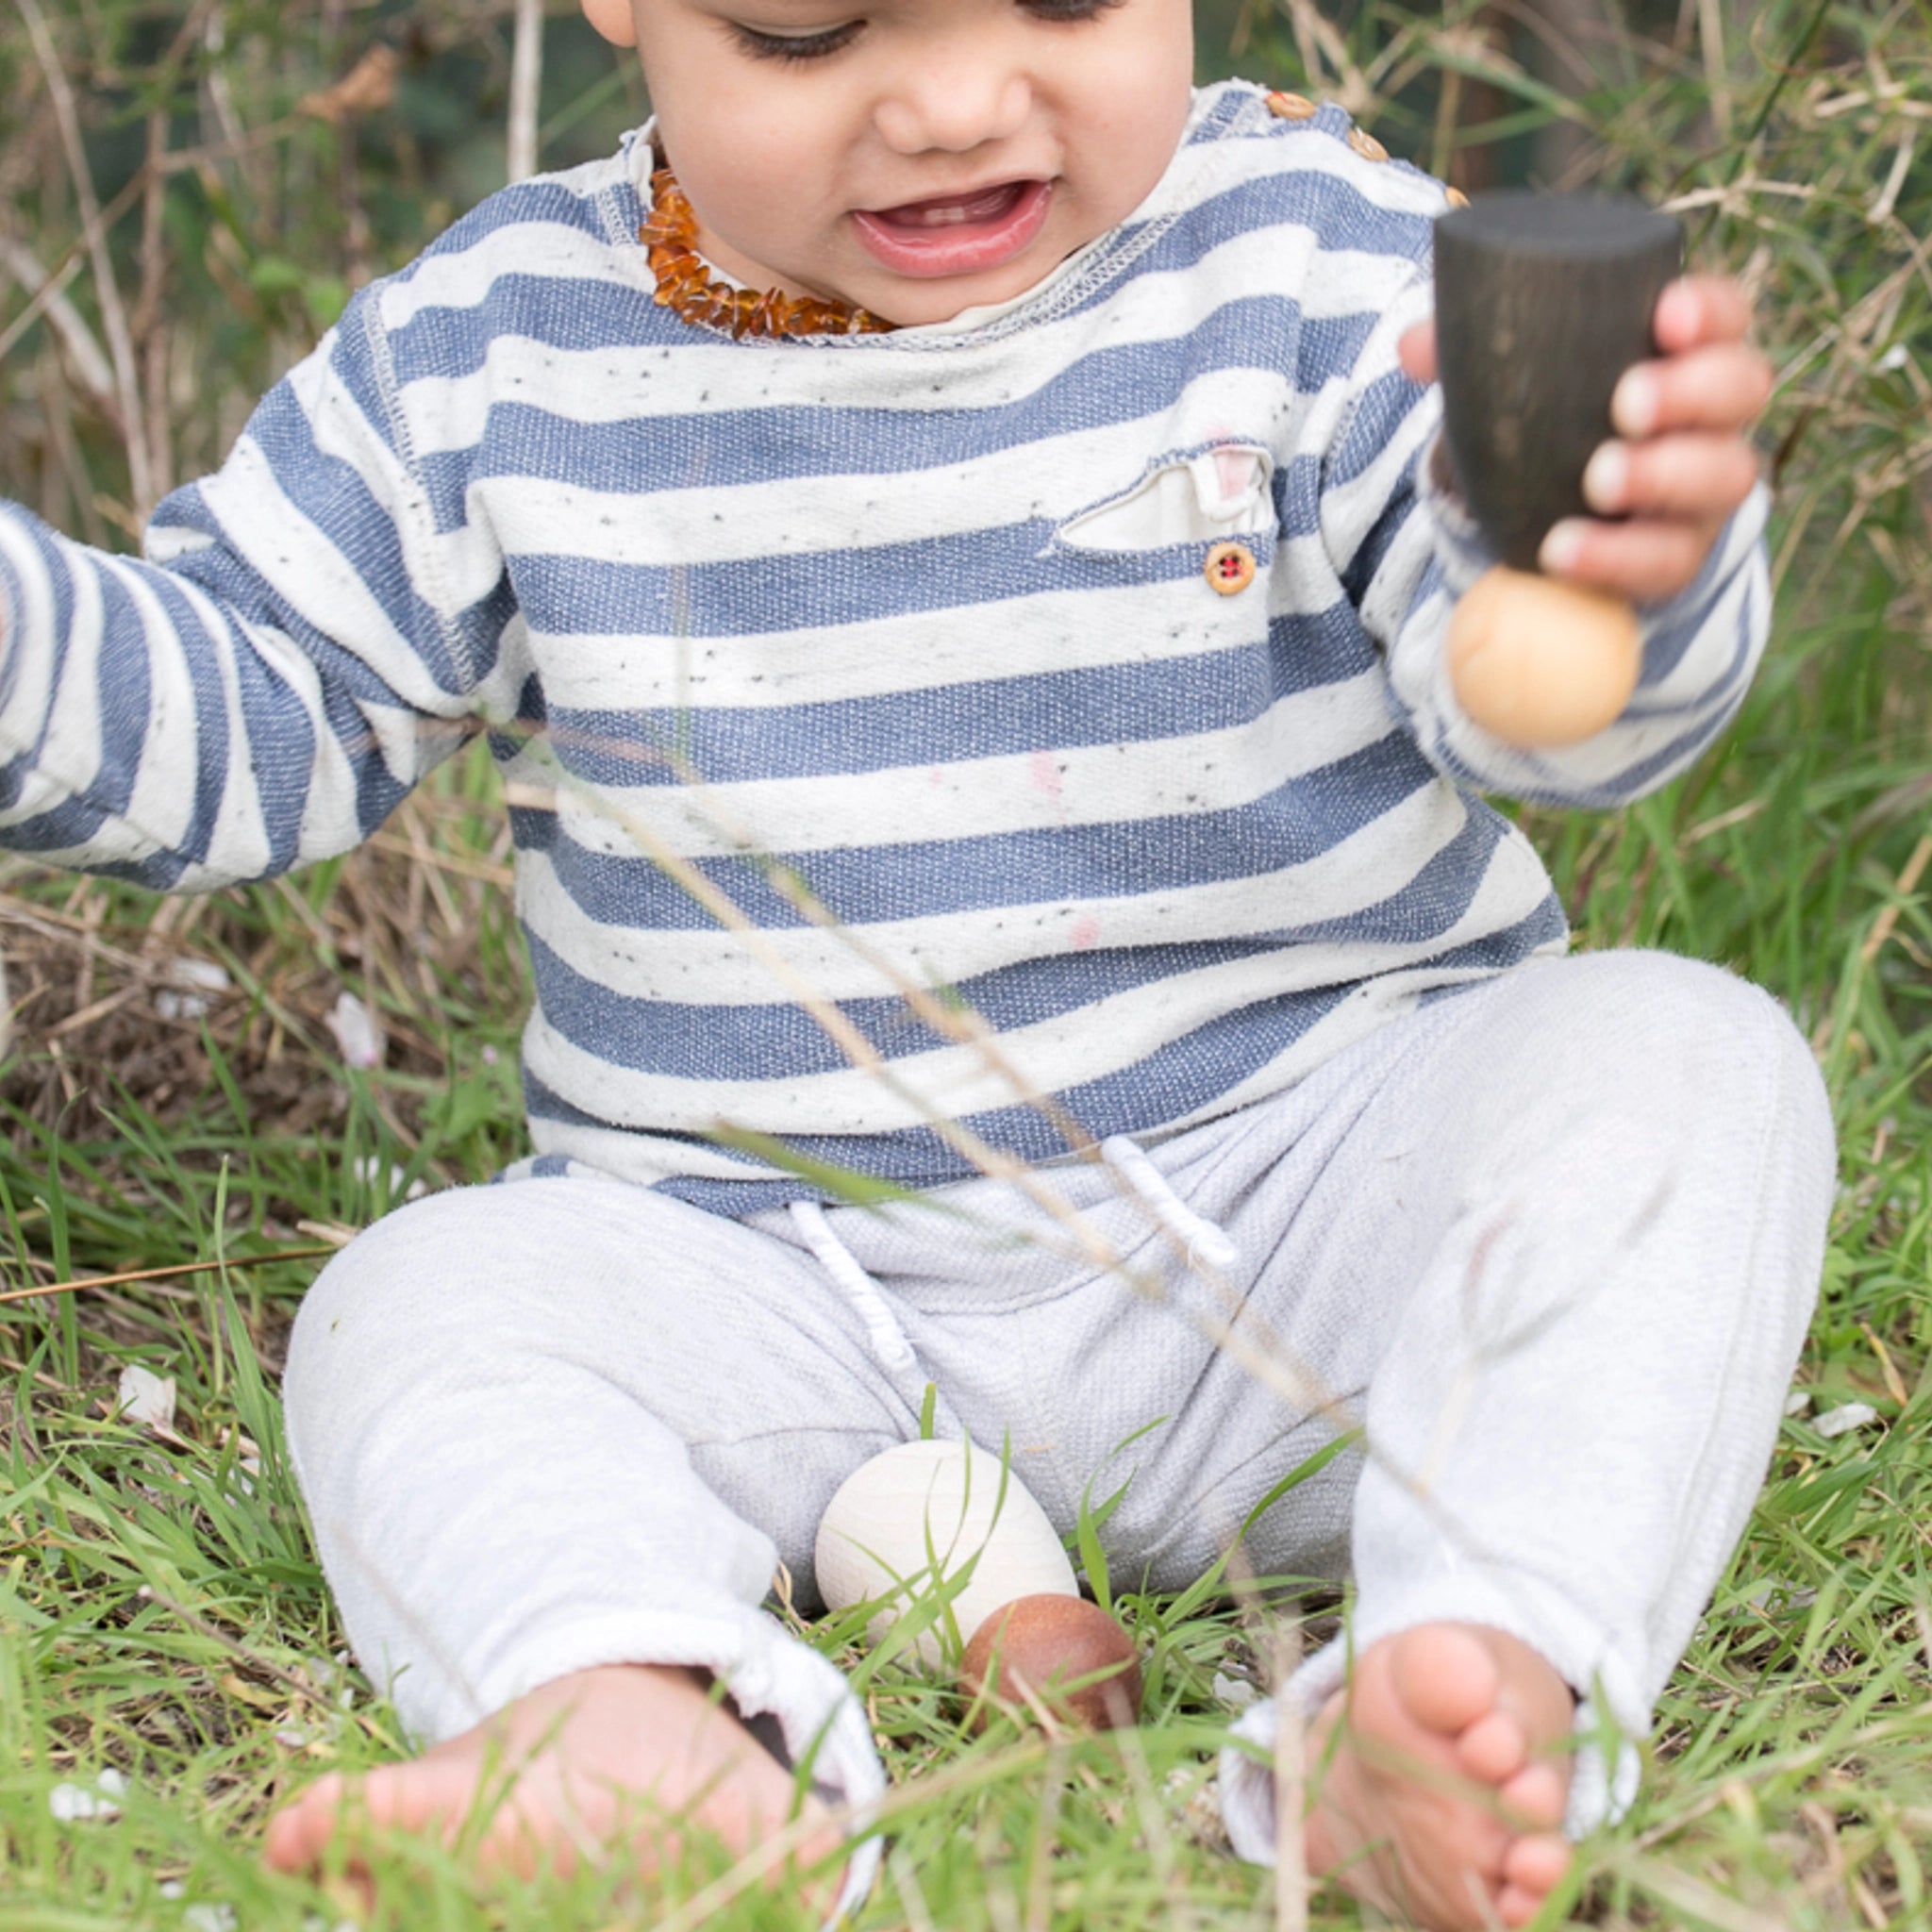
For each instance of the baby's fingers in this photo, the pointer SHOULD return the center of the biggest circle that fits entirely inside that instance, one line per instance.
(1416, 351)
(1649, 561)
(1721, 386)
(1702, 478)
(1697, 310)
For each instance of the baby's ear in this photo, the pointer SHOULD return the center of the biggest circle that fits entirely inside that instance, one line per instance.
(613, 19)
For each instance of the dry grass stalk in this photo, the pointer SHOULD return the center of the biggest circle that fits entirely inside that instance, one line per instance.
(132, 415)
(1291, 1787)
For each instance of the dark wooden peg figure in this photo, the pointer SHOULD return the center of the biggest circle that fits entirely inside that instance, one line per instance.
(1542, 302)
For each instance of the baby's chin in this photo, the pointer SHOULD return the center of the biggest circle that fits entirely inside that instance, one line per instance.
(909, 302)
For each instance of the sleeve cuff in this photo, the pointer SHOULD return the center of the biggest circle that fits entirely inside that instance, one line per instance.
(12, 615)
(1462, 551)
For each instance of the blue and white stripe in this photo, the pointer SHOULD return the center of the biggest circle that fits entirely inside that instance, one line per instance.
(816, 674)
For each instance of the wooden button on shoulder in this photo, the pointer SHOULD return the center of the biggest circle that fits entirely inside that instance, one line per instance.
(1291, 106)
(1367, 145)
(1230, 567)
(1456, 198)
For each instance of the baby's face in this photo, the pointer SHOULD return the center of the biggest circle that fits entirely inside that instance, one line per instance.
(913, 157)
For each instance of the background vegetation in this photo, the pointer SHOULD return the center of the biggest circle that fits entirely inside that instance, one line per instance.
(188, 190)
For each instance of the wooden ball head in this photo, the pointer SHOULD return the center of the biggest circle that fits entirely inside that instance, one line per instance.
(1542, 302)
(1061, 1653)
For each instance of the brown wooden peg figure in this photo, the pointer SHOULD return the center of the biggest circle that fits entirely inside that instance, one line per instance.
(1542, 302)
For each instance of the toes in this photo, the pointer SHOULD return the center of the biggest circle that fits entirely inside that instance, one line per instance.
(1516, 1906)
(1537, 1796)
(1445, 1676)
(1493, 1748)
(1530, 1873)
(1535, 1864)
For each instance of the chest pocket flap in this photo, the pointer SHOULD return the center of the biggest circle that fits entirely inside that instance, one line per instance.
(1200, 498)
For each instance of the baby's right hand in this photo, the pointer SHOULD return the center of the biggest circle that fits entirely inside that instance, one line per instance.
(1681, 461)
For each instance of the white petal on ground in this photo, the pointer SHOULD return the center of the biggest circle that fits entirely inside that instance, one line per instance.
(358, 1035)
(70, 1801)
(146, 1397)
(1235, 1693)
(199, 976)
(1798, 1402)
(209, 1918)
(1849, 1415)
(366, 1169)
(190, 989)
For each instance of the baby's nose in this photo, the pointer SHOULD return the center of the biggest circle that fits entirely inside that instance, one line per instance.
(954, 105)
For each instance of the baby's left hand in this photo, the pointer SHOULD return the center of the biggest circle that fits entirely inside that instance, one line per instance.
(1682, 460)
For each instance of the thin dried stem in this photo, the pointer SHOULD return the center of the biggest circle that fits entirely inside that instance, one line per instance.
(87, 359)
(86, 1284)
(525, 89)
(1291, 1788)
(1710, 31)
(1239, 1330)
(131, 415)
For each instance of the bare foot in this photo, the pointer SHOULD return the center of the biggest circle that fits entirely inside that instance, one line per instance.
(602, 1764)
(1441, 1774)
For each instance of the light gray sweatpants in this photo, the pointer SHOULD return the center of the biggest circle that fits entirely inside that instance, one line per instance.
(1552, 1243)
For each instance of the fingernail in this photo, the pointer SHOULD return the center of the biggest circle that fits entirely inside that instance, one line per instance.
(1558, 552)
(1677, 310)
(1634, 406)
(1607, 478)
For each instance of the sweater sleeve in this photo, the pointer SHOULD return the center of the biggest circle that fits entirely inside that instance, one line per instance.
(295, 650)
(1407, 549)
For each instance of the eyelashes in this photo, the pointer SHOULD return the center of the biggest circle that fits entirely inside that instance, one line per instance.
(793, 48)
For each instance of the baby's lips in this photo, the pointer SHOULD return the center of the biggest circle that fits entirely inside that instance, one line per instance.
(961, 241)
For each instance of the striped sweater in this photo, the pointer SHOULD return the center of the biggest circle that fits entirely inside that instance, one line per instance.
(886, 766)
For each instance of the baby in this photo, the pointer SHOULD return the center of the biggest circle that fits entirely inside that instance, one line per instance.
(943, 534)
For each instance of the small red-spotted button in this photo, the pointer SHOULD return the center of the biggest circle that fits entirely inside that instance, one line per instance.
(1291, 106)
(1230, 567)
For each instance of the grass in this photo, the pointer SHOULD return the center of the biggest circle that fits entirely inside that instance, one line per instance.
(161, 1612)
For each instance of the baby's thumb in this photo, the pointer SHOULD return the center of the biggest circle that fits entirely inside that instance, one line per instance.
(1416, 351)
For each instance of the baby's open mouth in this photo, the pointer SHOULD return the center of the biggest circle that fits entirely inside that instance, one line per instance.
(957, 210)
(956, 234)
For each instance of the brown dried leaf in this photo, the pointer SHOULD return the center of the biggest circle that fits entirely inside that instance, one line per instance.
(368, 88)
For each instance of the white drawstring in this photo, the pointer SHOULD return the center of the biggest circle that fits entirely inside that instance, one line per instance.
(1203, 1244)
(888, 1343)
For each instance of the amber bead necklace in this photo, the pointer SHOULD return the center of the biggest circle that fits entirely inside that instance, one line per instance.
(691, 290)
